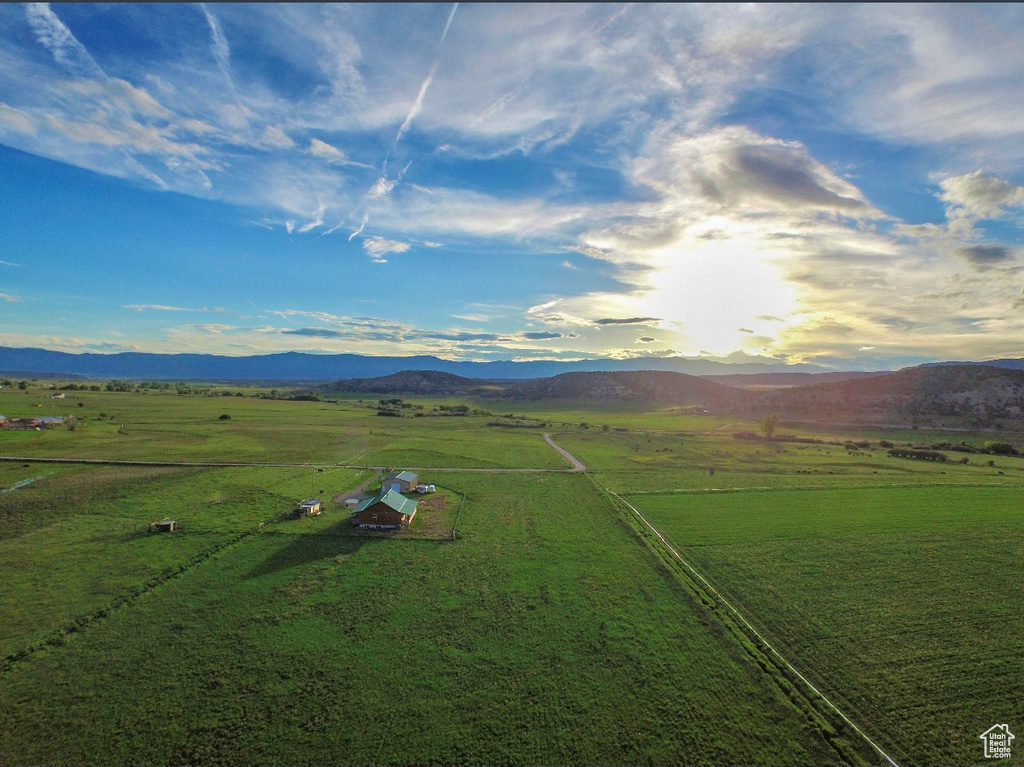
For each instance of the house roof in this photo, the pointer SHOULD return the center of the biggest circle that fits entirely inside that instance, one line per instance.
(404, 476)
(311, 502)
(390, 498)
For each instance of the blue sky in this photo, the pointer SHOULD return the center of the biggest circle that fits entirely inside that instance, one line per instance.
(839, 185)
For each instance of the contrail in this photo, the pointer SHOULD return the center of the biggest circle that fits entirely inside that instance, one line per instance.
(426, 83)
(383, 187)
(416, 105)
(455, 7)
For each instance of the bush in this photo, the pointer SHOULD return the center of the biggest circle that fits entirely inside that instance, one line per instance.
(920, 455)
(225, 417)
(1000, 448)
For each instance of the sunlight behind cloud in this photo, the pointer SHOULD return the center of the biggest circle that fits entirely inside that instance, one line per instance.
(708, 295)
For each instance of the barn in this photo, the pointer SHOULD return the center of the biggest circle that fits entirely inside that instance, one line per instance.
(309, 508)
(387, 510)
(400, 481)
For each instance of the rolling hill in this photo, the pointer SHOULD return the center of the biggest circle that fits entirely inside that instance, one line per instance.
(409, 382)
(950, 395)
(967, 395)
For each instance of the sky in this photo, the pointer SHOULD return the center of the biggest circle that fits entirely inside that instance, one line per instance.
(840, 185)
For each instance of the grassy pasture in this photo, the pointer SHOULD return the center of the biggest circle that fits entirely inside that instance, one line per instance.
(903, 603)
(547, 633)
(74, 540)
(464, 442)
(660, 461)
(168, 427)
(528, 640)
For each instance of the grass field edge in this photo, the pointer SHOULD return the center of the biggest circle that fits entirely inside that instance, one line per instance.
(834, 727)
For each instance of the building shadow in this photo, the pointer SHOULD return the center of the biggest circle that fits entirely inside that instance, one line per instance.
(306, 548)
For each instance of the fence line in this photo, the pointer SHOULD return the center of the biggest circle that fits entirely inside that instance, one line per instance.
(752, 630)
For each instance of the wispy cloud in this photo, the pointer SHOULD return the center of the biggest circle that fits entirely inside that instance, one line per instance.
(17, 120)
(162, 308)
(54, 35)
(378, 247)
(984, 255)
(979, 196)
(219, 45)
(698, 204)
(625, 321)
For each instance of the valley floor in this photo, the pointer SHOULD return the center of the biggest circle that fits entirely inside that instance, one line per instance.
(530, 618)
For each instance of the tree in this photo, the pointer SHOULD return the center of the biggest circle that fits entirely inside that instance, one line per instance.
(23, 385)
(1000, 448)
(769, 424)
(225, 417)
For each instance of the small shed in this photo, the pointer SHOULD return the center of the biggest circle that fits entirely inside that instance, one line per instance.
(164, 526)
(388, 510)
(399, 481)
(310, 508)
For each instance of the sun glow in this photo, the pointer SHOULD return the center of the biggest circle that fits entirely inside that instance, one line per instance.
(721, 298)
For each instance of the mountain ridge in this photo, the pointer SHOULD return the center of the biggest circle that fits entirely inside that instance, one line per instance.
(303, 366)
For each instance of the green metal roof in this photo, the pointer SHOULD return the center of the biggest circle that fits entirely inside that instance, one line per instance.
(404, 476)
(391, 498)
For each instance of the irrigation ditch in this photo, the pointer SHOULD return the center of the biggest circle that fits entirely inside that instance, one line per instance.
(834, 726)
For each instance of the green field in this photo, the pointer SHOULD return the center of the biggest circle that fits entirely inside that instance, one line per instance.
(552, 629)
(905, 604)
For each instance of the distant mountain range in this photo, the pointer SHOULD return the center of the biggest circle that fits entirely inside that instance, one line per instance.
(949, 393)
(970, 394)
(298, 366)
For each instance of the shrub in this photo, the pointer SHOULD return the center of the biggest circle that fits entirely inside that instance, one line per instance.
(920, 455)
(1000, 448)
